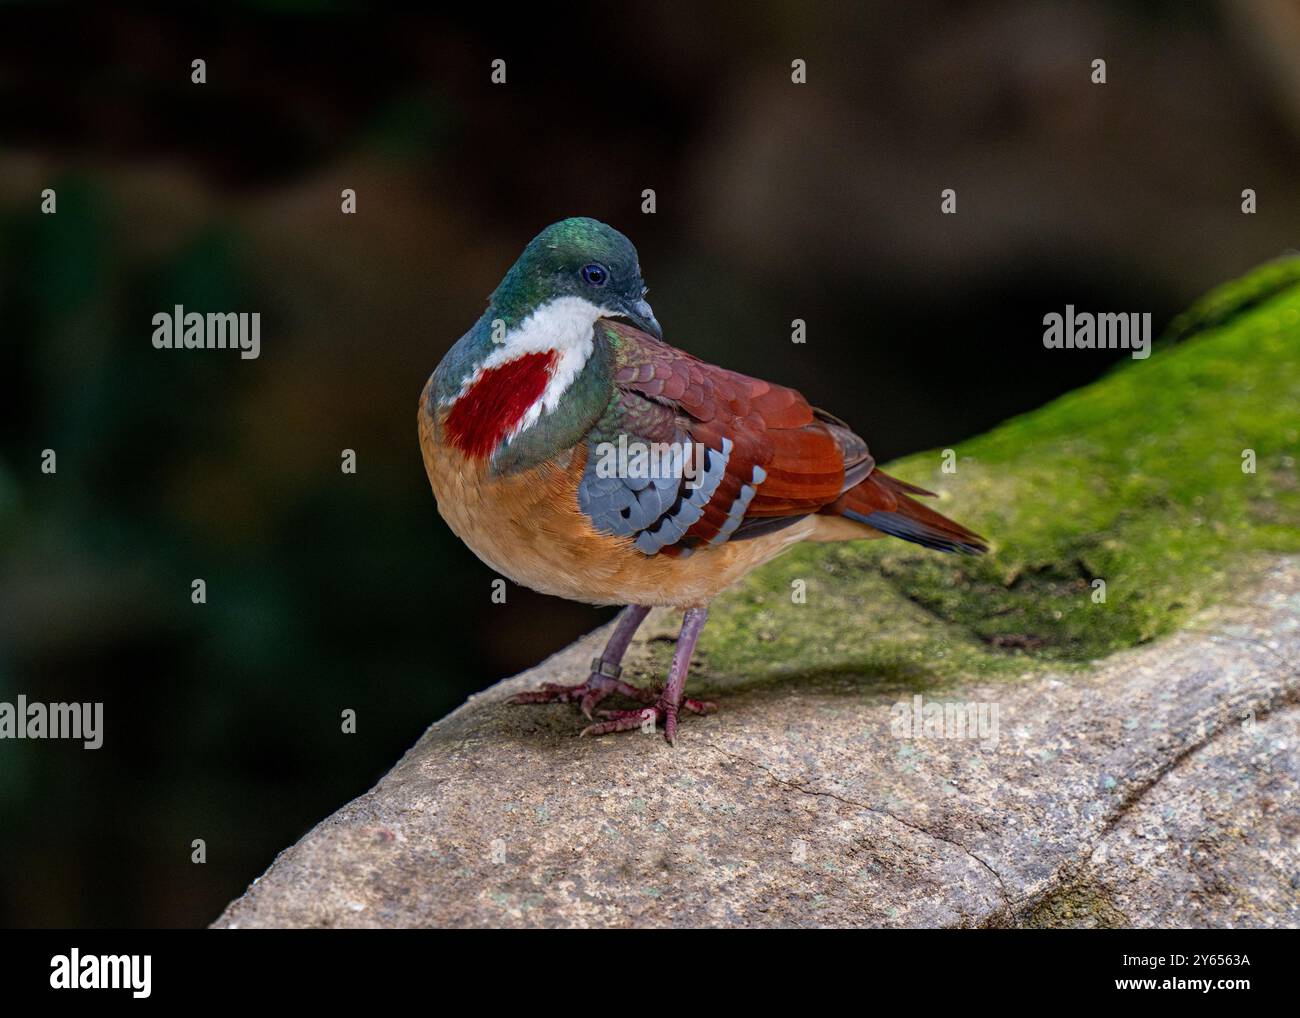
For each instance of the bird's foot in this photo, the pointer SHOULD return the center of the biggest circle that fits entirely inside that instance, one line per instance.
(599, 685)
(647, 718)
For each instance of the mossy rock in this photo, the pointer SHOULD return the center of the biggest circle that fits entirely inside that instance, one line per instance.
(1140, 480)
(1139, 791)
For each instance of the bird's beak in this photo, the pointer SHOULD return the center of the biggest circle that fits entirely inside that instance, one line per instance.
(640, 314)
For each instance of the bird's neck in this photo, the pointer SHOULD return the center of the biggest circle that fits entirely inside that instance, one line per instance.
(498, 401)
(500, 384)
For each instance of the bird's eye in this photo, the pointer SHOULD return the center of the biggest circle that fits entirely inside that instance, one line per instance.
(595, 274)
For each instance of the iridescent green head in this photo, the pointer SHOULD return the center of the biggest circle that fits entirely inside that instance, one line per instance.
(580, 258)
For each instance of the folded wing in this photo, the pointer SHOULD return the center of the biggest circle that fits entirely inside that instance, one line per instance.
(762, 456)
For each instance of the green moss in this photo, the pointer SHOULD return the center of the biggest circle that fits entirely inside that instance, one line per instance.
(1076, 906)
(1136, 480)
(1232, 298)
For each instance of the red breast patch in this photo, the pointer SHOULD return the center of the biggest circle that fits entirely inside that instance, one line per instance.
(496, 402)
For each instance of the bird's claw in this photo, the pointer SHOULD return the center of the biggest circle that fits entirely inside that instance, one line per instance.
(647, 718)
(587, 694)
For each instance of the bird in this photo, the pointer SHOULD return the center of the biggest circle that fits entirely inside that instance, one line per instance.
(521, 426)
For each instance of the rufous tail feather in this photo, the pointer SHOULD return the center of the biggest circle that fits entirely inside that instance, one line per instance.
(885, 503)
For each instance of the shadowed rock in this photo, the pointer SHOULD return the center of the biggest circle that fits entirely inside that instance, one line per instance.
(1156, 789)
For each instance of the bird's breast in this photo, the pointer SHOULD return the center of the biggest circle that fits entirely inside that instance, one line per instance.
(527, 526)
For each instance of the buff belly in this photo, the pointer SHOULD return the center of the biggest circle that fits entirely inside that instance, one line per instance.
(527, 527)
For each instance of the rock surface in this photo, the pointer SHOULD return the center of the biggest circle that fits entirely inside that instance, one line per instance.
(1157, 787)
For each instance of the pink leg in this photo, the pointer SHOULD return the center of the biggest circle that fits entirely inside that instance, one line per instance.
(605, 671)
(670, 700)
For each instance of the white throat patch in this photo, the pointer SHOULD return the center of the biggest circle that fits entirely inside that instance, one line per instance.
(564, 325)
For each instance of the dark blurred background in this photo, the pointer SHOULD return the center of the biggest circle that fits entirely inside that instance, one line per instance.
(775, 201)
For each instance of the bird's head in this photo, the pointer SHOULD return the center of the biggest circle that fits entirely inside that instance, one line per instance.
(583, 264)
(526, 355)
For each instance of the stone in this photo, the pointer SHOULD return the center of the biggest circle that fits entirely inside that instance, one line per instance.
(1155, 788)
